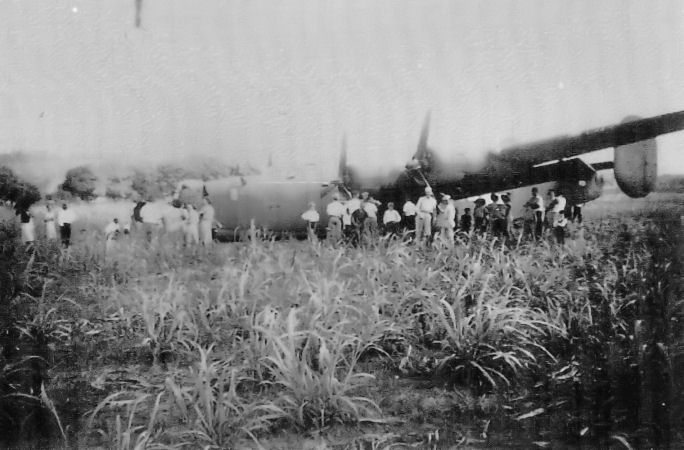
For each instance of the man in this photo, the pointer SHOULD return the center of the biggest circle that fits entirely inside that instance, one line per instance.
(536, 203)
(111, 234)
(335, 210)
(409, 210)
(191, 220)
(466, 221)
(490, 213)
(28, 228)
(425, 210)
(49, 219)
(65, 217)
(350, 206)
(312, 218)
(446, 220)
(479, 216)
(370, 206)
(207, 216)
(551, 209)
(391, 219)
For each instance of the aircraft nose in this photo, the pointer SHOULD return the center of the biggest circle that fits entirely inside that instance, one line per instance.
(413, 164)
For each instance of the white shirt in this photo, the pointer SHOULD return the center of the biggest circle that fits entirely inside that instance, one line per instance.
(426, 204)
(560, 204)
(65, 216)
(353, 204)
(371, 209)
(409, 208)
(311, 216)
(208, 213)
(540, 203)
(192, 217)
(391, 215)
(335, 209)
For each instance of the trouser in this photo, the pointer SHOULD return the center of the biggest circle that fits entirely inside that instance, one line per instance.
(560, 234)
(446, 234)
(409, 222)
(577, 214)
(370, 227)
(423, 225)
(539, 224)
(550, 217)
(311, 231)
(65, 234)
(499, 227)
(391, 227)
(479, 224)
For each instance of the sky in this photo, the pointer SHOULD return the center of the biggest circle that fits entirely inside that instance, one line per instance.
(242, 79)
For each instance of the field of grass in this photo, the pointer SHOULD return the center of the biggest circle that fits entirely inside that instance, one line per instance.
(297, 345)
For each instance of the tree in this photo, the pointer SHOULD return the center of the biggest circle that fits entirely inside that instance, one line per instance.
(80, 181)
(19, 193)
(146, 186)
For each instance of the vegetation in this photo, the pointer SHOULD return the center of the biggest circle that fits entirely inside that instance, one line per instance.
(262, 342)
(80, 182)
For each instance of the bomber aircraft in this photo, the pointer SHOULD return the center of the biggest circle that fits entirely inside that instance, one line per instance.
(265, 202)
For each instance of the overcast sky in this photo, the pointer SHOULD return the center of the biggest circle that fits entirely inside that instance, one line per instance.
(242, 79)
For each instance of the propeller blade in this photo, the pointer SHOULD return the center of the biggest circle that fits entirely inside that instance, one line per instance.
(422, 150)
(343, 170)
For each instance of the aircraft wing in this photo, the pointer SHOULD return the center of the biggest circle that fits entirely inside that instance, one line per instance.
(627, 132)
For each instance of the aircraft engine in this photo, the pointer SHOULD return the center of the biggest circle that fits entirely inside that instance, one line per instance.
(636, 167)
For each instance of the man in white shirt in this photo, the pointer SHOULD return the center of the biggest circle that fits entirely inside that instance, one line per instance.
(391, 219)
(370, 224)
(425, 209)
(446, 219)
(65, 217)
(335, 210)
(409, 210)
(312, 218)
(536, 204)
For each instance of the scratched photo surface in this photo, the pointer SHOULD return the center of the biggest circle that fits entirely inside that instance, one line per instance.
(312, 224)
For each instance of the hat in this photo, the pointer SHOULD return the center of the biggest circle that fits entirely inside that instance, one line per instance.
(428, 190)
(446, 197)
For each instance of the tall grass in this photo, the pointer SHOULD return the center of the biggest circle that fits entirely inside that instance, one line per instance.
(233, 342)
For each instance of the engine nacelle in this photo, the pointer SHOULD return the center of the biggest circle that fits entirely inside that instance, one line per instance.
(636, 167)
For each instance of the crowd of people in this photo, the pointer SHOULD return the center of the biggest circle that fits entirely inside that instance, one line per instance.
(197, 226)
(54, 220)
(356, 219)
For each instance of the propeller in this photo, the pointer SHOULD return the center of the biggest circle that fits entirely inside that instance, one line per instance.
(423, 159)
(344, 178)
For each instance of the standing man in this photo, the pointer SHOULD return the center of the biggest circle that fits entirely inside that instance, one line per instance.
(28, 228)
(207, 216)
(391, 219)
(312, 218)
(49, 219)
(446, 220)
(409, 210)
(370, 225)
(466, 221)
(335, 210)
(191, 221)
(65, 217)
(479, 216)
(551, 209)
(536, 203)
(350, 206)
(425, 210)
